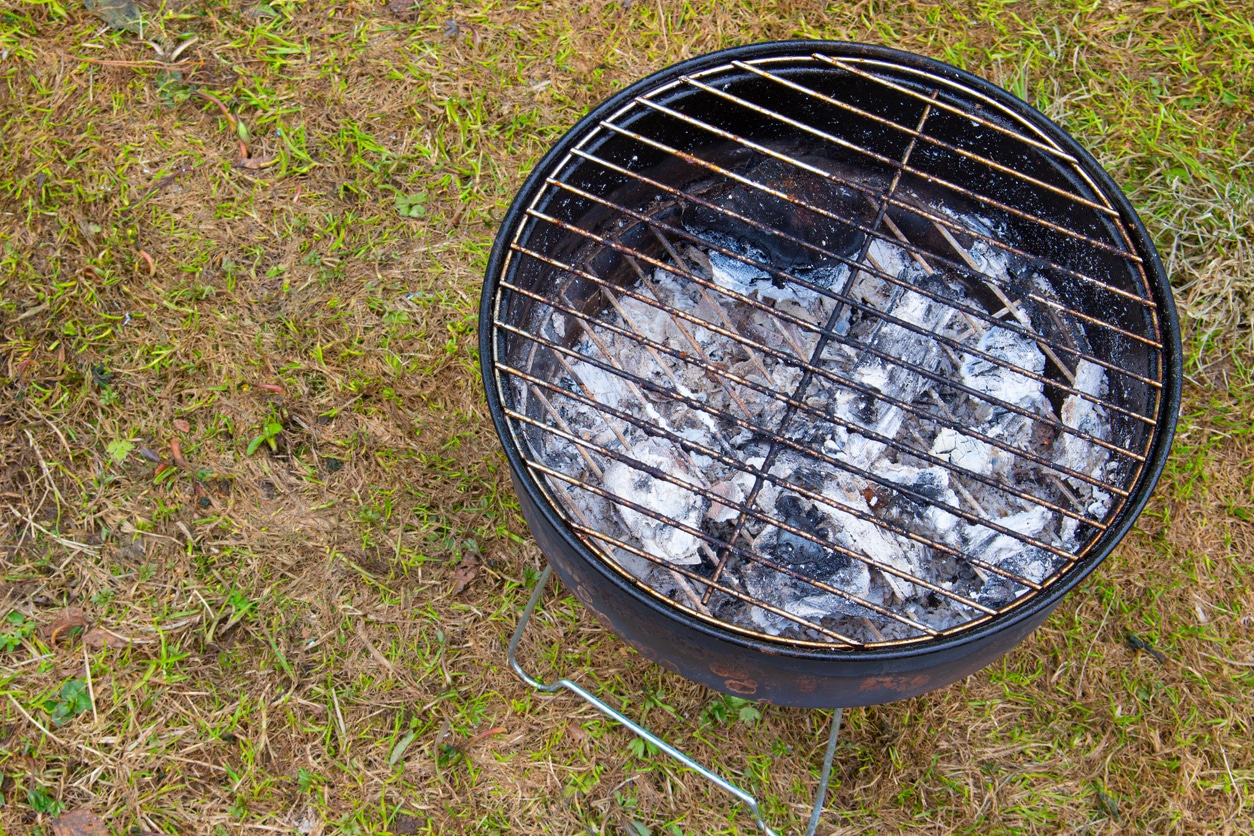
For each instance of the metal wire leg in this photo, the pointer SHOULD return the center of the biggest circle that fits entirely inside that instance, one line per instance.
(820, 795)
(722, 783)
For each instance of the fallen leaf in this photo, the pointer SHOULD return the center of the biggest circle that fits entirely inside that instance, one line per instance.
(119, 14)
(484, 735)
(176, 451)
(259, 161)
(98, 637)
(1109, 805)
(133, 550)
(466, 572)
(69, 618)
(79, 823)
(101, 376)
(398, 751)
(182, 426)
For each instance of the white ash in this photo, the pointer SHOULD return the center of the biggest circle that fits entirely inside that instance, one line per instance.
(1079, 454)
(969, 452)
(921, 469)
(988, 378)
(661, 497)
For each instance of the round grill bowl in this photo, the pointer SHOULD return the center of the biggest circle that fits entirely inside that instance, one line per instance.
(799, 153)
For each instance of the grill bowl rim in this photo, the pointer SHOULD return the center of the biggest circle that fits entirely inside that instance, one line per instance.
(1038, 605)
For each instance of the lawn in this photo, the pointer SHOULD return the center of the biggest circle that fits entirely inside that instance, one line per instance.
(259, 551)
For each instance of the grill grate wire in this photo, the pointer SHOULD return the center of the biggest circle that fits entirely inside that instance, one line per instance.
(802, 343)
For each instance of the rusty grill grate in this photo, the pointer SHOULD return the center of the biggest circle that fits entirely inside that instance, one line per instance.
(829, 351)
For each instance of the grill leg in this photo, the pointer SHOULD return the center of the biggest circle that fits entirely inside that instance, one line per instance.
(820, 794)
(722, 783)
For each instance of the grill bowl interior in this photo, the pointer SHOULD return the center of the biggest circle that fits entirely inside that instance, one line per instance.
(806, 160)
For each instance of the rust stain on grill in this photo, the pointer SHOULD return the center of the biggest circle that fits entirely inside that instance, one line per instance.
(586, 599)
(724, 670)
(736, 678)
(915, 682)
(743, 687)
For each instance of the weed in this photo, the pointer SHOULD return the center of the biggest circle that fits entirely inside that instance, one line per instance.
(69, 702)
(119, 449)
(642, 749)
(268, 436)
(43, 802)
(725, 707)
(17, 628)
(412, 205)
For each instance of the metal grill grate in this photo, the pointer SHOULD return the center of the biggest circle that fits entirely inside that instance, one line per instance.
(829, 351)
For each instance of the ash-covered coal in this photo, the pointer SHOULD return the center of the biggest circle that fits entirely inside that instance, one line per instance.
(846, 452)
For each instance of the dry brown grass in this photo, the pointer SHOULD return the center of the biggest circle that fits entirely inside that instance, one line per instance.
(285, 621)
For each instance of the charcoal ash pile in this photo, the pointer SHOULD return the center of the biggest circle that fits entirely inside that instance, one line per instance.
(845, 450)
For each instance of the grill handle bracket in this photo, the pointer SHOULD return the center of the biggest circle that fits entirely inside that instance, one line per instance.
(648, 736)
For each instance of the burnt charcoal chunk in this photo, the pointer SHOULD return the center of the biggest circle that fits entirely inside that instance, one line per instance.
(867, 408)
(927, 488)
(801, 553)
(930, 485)
(797, 551)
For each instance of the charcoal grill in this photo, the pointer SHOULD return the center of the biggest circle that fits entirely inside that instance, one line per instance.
(824, 371)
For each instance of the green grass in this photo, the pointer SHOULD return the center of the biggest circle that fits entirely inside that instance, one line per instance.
(321, 310)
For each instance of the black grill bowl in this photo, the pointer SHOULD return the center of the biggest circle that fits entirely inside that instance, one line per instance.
(1132, 295)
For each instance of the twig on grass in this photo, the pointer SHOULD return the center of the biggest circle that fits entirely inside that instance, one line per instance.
(1229, 661)
(152, 190)
(1232, 780)
(47, 733)
(464, 748)
(91, 691)
(43, 465)
(69, 544)
(174, 56)
(35, 311)
(59, 436)
(150, 63)
(1079, 682)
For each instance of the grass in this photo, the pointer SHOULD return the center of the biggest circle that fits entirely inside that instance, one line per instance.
(242, 430)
